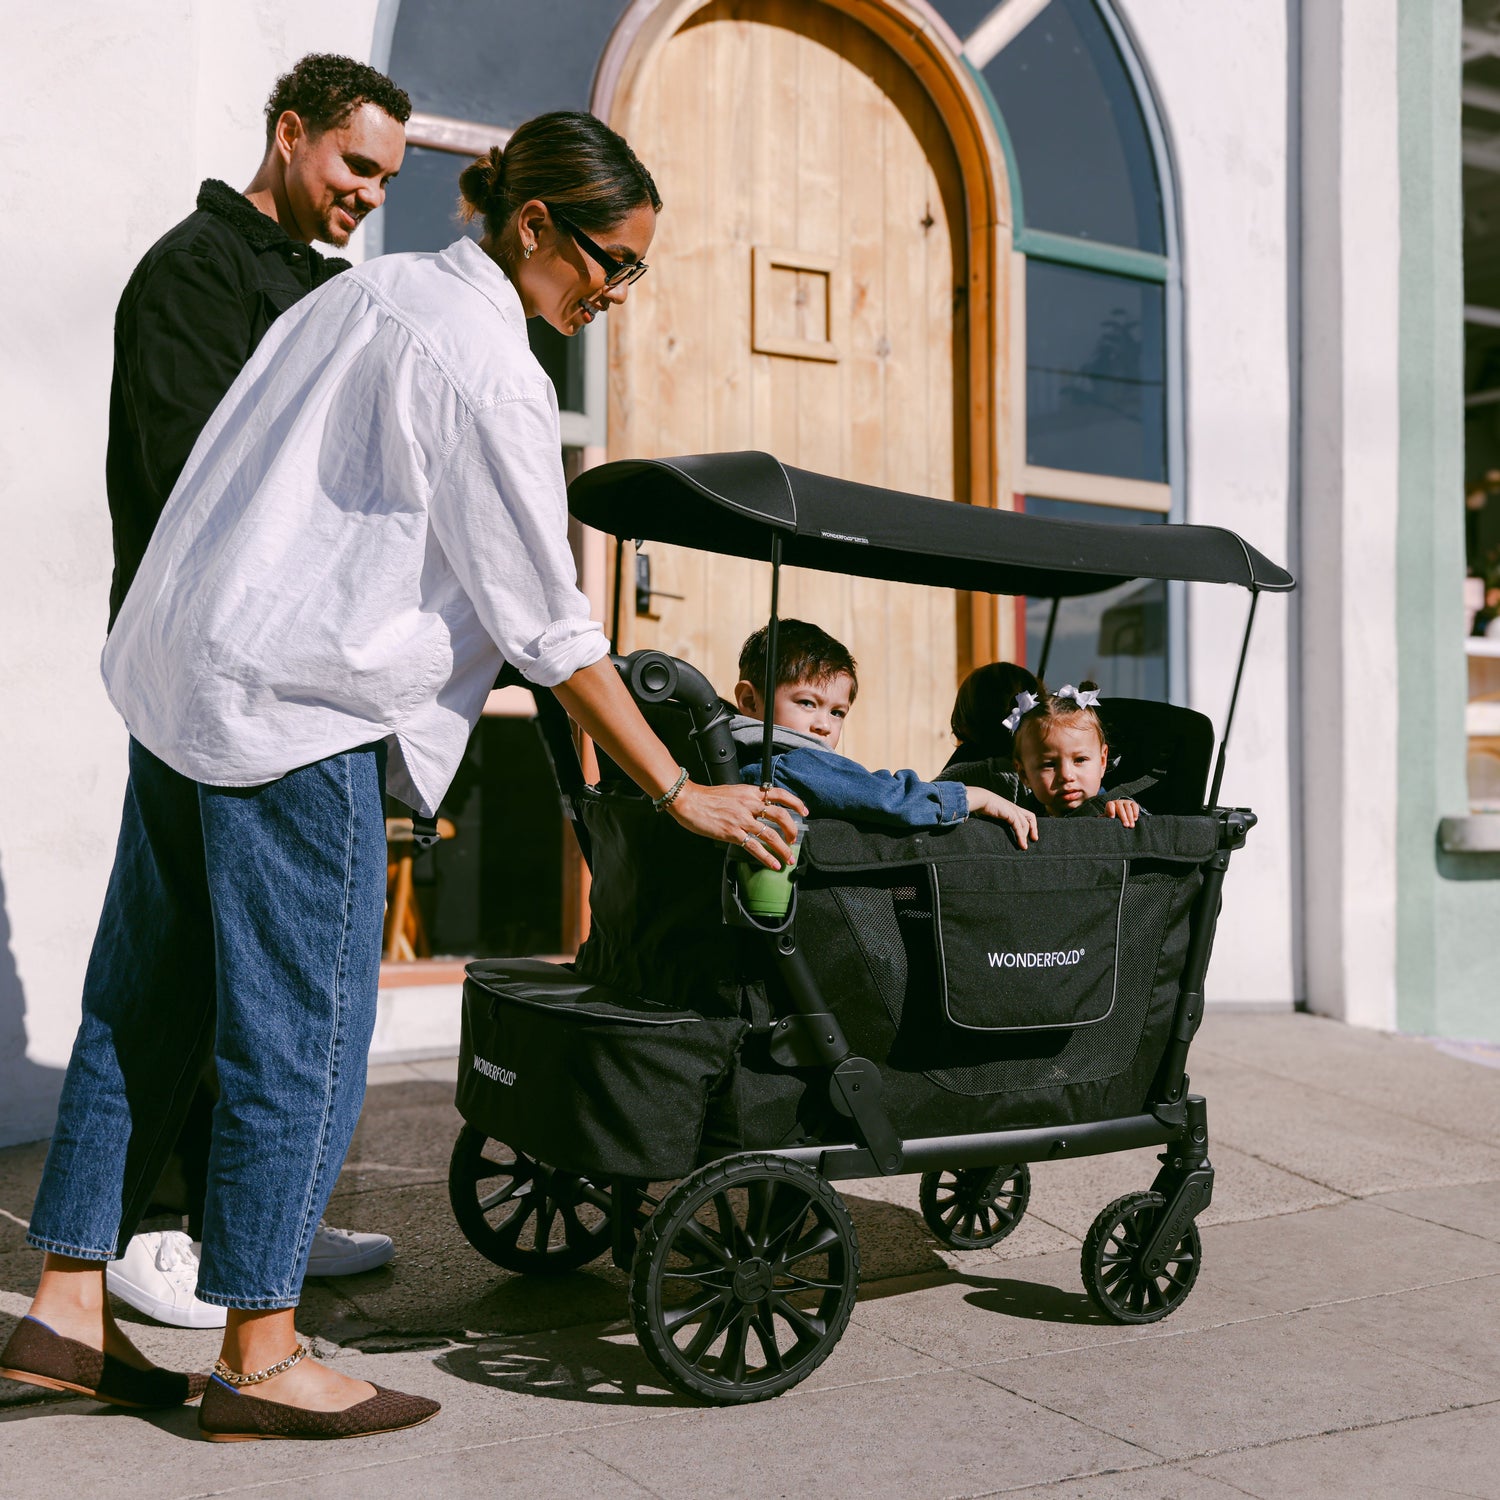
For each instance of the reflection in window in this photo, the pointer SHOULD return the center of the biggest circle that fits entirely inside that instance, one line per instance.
(1081, 145)
(500, 61)
(1117, 638)
(1094, 372)
(964, 16)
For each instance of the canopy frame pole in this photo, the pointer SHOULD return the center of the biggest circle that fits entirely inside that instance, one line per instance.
(1234, 698)
(614, 622)
(1041, 666)
(768, 700)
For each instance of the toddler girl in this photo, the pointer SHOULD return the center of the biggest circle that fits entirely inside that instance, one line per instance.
(1061, 753)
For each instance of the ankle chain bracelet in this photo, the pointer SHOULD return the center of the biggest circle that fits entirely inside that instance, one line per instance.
(256, 1376)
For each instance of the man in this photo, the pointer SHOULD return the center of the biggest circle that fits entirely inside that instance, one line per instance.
(192, 314)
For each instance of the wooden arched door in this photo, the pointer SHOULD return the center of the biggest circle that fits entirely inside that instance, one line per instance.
(808, 297)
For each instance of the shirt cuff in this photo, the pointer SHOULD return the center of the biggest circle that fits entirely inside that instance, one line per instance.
(567, 647)
(953, 801)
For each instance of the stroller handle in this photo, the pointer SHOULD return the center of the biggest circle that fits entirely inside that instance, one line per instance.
(655, 677)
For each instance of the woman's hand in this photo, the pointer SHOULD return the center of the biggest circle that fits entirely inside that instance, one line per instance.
(1123, 809)
(743, 815)
(990, 804)
(601, 705)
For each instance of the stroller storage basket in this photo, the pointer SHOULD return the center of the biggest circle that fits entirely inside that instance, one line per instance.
(588, 1078)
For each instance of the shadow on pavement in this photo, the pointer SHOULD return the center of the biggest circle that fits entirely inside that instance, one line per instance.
(1035, 1301)
(603, 1366)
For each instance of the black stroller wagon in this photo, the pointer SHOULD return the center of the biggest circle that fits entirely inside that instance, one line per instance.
(933, 1001)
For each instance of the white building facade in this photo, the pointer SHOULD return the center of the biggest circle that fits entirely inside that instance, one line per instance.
(1293, 297)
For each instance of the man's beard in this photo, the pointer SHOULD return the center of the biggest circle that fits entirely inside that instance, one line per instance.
(332, 225)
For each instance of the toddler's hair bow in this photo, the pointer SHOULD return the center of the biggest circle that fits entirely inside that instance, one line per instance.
(1025, 702)
(1088, 698)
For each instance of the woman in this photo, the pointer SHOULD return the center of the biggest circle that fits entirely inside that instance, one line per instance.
(373, 519)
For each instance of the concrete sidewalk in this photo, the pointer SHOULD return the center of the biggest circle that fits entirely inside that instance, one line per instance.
(1343, 1339)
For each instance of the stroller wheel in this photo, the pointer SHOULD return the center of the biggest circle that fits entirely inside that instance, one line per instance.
(975, 1206)
(521, 1214)
(1113, 1272)
(744, 1278)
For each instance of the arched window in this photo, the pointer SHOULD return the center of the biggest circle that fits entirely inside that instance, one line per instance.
(1098, 296)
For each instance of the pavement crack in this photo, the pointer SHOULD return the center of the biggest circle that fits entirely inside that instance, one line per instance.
(1410, 1214)
(1317, 1182)
(1282, 1442)
(629, 1479)
(1068, 1416)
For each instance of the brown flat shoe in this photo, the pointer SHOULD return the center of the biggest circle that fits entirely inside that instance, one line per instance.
(230, 1416)
(36, 1355)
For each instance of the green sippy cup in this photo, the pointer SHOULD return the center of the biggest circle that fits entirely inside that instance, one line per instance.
(766, 892)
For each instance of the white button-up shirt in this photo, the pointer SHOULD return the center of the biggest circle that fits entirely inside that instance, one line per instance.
(372, 520)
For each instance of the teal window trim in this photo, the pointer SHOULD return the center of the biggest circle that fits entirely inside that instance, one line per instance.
(1012, 169)
(1092, 256)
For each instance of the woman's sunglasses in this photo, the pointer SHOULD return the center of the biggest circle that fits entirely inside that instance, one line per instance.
(616, 272)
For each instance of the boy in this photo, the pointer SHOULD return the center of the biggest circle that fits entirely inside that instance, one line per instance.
(816, 684)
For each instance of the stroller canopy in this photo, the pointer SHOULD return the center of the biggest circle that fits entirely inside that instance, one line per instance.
(733, 503)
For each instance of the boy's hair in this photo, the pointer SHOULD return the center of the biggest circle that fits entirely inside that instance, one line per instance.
(985, 699)
(1050, 709)
(804, 653)
(324, 89)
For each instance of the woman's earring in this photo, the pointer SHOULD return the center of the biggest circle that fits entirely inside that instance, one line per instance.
(526, 253)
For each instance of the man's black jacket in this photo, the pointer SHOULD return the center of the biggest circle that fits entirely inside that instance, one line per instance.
(190, 317)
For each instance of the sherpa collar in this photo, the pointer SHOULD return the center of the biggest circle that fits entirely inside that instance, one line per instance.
(221, 200)
(750, 733)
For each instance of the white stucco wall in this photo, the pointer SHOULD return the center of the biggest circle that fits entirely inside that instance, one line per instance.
(1220, 74)
(116, 110)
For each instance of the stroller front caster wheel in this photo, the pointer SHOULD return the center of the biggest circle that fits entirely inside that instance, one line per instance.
(975, 1206)
(1114, 1271)
(744, 1278)
(521, 1214)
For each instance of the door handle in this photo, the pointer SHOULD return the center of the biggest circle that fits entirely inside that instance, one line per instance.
(644, 593)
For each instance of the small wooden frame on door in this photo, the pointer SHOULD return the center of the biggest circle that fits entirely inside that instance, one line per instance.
(798, 304)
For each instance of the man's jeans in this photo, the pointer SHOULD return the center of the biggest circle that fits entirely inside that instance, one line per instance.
(246, 921)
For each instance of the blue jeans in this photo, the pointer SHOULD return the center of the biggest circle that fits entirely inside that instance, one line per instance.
(246, 922)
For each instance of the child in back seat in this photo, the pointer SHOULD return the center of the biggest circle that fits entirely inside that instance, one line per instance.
(1061, 753)
(816, 684)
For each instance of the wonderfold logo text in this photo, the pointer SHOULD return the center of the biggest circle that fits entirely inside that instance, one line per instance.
(1063, 958)
(494, 1072)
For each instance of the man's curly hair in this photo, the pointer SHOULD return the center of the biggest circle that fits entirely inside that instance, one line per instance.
(324, 89)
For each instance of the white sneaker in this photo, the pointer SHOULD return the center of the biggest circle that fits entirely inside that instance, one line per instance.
(344, 1252)
(158, 1275)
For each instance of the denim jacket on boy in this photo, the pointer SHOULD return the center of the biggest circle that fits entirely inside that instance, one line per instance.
(833, 786)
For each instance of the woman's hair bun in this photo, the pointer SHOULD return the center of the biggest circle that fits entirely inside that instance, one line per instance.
(481, 182)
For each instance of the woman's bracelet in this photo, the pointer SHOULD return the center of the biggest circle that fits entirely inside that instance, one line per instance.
(668, 797)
